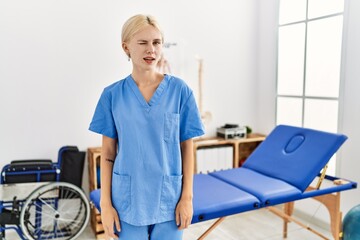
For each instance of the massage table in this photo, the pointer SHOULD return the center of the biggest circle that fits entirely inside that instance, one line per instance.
(279, 171)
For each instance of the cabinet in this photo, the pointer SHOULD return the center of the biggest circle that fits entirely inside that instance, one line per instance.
(242, 148)
(94, 166)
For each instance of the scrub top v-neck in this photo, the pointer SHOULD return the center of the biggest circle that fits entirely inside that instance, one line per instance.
(147, 173)
(154, 98)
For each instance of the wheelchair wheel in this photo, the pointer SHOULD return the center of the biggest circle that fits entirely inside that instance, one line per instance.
(58, 210)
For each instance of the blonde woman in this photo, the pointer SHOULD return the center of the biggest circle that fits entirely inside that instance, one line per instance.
(147, 122)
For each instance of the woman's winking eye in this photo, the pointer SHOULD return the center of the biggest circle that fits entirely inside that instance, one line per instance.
(155, 42)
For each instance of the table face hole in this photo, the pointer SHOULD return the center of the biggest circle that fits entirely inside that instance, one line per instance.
(294, 143)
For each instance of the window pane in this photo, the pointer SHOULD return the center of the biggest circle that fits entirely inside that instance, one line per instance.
(289, 111)
(319, 8)
(321, 114)
(332, 166)
(323, 57)
(291, 59)
(292, 11)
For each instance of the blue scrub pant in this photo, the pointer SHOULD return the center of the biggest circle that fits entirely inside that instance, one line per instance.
(159, 231)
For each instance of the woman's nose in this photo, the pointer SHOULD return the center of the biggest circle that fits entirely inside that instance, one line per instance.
(151, 49)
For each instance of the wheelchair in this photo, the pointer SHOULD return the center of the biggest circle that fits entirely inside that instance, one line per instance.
(40, 199)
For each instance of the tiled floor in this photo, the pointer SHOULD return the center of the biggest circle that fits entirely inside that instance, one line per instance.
(260, 224)
(254, 225)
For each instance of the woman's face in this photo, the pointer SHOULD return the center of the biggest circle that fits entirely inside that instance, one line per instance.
(145, 48)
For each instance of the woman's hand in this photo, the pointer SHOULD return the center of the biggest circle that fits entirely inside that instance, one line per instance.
(184, 213)
(184, 208)
(109, 219)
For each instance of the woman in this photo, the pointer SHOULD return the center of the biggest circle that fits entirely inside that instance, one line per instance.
(147, 121)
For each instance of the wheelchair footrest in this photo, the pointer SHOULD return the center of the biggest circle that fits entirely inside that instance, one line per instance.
(9, 217)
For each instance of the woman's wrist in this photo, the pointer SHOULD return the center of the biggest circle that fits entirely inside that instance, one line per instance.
(105, 203)
(186, 196)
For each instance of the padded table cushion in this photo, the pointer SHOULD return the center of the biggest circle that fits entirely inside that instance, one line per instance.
(269, 191)
(294, 155)
(214, 198)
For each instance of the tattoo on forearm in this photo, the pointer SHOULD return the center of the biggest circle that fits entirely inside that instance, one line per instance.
(110, 160)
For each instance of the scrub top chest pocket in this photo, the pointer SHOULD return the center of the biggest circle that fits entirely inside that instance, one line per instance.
(172, 127)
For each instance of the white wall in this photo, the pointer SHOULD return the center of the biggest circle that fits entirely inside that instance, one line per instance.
(266, 65)
(57, 56)
(348, 163)
(349, 166)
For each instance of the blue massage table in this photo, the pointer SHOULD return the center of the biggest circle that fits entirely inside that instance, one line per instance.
(279, 171)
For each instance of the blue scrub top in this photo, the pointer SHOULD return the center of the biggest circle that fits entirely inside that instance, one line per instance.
(147, 173)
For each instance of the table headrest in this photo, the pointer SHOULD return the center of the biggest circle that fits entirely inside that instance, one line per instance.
(293, 154)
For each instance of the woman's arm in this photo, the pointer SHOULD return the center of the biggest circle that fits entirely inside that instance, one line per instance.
(184, 209)
(109, 216)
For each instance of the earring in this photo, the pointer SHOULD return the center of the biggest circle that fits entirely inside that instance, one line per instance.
(129, 57)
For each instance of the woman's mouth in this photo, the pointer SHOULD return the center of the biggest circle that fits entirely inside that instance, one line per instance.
(149, 60)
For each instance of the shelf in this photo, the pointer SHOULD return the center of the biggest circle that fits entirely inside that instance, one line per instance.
(242, 147)
(94, 155)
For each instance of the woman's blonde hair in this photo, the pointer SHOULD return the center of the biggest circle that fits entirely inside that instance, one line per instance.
(136, 23)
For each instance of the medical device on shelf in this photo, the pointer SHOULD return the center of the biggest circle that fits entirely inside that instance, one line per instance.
(231, 131)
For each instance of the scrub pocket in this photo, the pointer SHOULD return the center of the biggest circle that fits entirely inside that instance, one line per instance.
(172, 127)
(170, 193)
(121, 192)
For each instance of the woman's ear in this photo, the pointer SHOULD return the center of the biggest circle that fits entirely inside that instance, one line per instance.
(126, 49)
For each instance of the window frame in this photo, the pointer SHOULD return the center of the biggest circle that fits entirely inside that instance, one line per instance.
(303, 97)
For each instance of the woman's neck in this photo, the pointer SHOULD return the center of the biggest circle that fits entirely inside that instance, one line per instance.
(146, 78)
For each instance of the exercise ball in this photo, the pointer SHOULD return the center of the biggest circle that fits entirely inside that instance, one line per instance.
(351, 224)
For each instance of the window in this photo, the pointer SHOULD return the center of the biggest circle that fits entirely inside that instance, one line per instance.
(309, 60)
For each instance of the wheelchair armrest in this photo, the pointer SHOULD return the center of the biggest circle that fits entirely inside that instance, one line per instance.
(31, 164)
